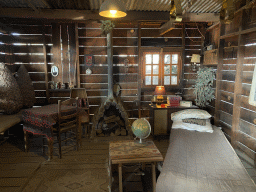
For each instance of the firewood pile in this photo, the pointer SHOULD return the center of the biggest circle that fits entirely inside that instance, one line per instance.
(111, 125)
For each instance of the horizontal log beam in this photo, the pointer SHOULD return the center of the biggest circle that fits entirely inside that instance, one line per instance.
(201, 17)
(82, 15)
(189, 17)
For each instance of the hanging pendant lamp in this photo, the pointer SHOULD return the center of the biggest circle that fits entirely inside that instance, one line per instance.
(112, 9)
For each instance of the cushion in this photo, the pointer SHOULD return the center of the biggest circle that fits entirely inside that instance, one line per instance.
(190, 113)
(178, 124)
(195, 121)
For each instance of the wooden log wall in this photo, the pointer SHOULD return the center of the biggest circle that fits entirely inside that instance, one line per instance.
(235, 71)
(31, 47)
(188, 38)
(125, 64)
(38, 48)
(211, 38)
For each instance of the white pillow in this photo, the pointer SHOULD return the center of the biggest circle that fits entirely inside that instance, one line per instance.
(179, 124)
(190, 113)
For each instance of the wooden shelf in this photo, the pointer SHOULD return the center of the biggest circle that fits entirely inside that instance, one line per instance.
(231, 47)
(59, 90)
(251, 30)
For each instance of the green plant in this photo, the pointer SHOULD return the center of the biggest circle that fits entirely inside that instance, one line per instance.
(106, 26)
(204, 86)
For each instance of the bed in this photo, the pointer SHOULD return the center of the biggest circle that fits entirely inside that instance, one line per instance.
(202, 161)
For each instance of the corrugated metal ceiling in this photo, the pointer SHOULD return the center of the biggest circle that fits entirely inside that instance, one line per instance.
(192, 6)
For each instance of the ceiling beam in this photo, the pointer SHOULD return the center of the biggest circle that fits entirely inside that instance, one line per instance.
(82, 15)
(201, 17)
(189, 17)
(168, 26)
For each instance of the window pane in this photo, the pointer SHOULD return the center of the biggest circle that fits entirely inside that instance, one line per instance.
(174, 80)
(148, 58)
(155, 69)
(167, 69)
(167, 59)
(155, 80)
(156, 59)
(174, 69)
(148, 80)
(148, 69)
(175, 59)
(166, 80)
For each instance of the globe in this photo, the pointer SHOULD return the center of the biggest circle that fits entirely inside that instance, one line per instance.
(141, 128)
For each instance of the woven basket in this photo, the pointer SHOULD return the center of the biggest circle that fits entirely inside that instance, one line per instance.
(26, 87)
(10, 96)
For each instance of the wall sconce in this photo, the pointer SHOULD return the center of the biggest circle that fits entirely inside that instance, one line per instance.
(113, 9)
(195, 59)
(160, 91)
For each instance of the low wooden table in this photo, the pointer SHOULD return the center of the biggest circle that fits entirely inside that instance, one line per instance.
(130, 151)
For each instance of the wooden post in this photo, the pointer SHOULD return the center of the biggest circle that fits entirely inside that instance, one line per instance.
(45, 66)
(110, 65)
(120, 177)
(140, 70)
(219, 77)
(154, 176)
(183, 56)
(77, 56)
(26, 141)
(56, 50)
(238, 86)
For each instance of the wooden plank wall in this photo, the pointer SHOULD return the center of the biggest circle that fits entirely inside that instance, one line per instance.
(212, 38)
(235, 115)
(27, 49)
(193, 39)
(125, 62)
(91, 42)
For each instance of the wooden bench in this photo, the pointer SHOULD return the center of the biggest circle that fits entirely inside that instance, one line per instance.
(7, 121)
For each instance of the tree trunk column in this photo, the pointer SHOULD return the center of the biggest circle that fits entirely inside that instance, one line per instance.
(110, 64)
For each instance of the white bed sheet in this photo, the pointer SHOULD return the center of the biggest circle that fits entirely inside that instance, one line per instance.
(202, 162)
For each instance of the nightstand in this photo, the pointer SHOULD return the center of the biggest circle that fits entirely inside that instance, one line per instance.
(160, 119)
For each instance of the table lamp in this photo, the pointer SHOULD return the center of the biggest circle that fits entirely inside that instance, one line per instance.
(160, 91)
(195, 59)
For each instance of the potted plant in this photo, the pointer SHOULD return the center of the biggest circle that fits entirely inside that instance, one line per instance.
(204, 86)
(106, 26)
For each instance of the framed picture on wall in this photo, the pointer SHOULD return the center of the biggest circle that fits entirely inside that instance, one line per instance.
(252, 96)
(88, 60)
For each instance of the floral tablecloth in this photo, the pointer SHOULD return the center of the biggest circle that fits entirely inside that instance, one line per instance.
(40, 120)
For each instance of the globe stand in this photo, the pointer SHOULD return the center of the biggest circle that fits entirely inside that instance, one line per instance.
(141, 129)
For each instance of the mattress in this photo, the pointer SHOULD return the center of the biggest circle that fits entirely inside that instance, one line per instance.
(202, 162)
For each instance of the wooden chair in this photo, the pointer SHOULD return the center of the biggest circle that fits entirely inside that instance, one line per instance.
(82, 96)
(67, 121)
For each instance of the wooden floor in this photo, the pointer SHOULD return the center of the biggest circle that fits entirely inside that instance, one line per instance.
(31, 171)
(16, 167)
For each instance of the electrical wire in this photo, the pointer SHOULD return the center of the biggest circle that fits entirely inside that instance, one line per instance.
(189, 36)
(199, 31)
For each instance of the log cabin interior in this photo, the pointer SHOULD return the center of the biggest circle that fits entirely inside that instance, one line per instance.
(53, 50)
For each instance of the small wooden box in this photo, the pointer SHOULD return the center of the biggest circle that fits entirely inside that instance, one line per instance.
(211, 57)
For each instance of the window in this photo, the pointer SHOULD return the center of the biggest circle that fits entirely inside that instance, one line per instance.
(161, 68)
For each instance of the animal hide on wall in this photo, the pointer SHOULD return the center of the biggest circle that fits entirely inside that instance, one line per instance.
(26, 87)
(10, 96)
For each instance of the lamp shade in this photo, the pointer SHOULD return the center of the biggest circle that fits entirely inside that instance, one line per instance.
(113, 9)
(195, 58)
(160, 90)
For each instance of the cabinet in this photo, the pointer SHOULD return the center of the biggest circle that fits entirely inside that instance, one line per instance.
(160, 119)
